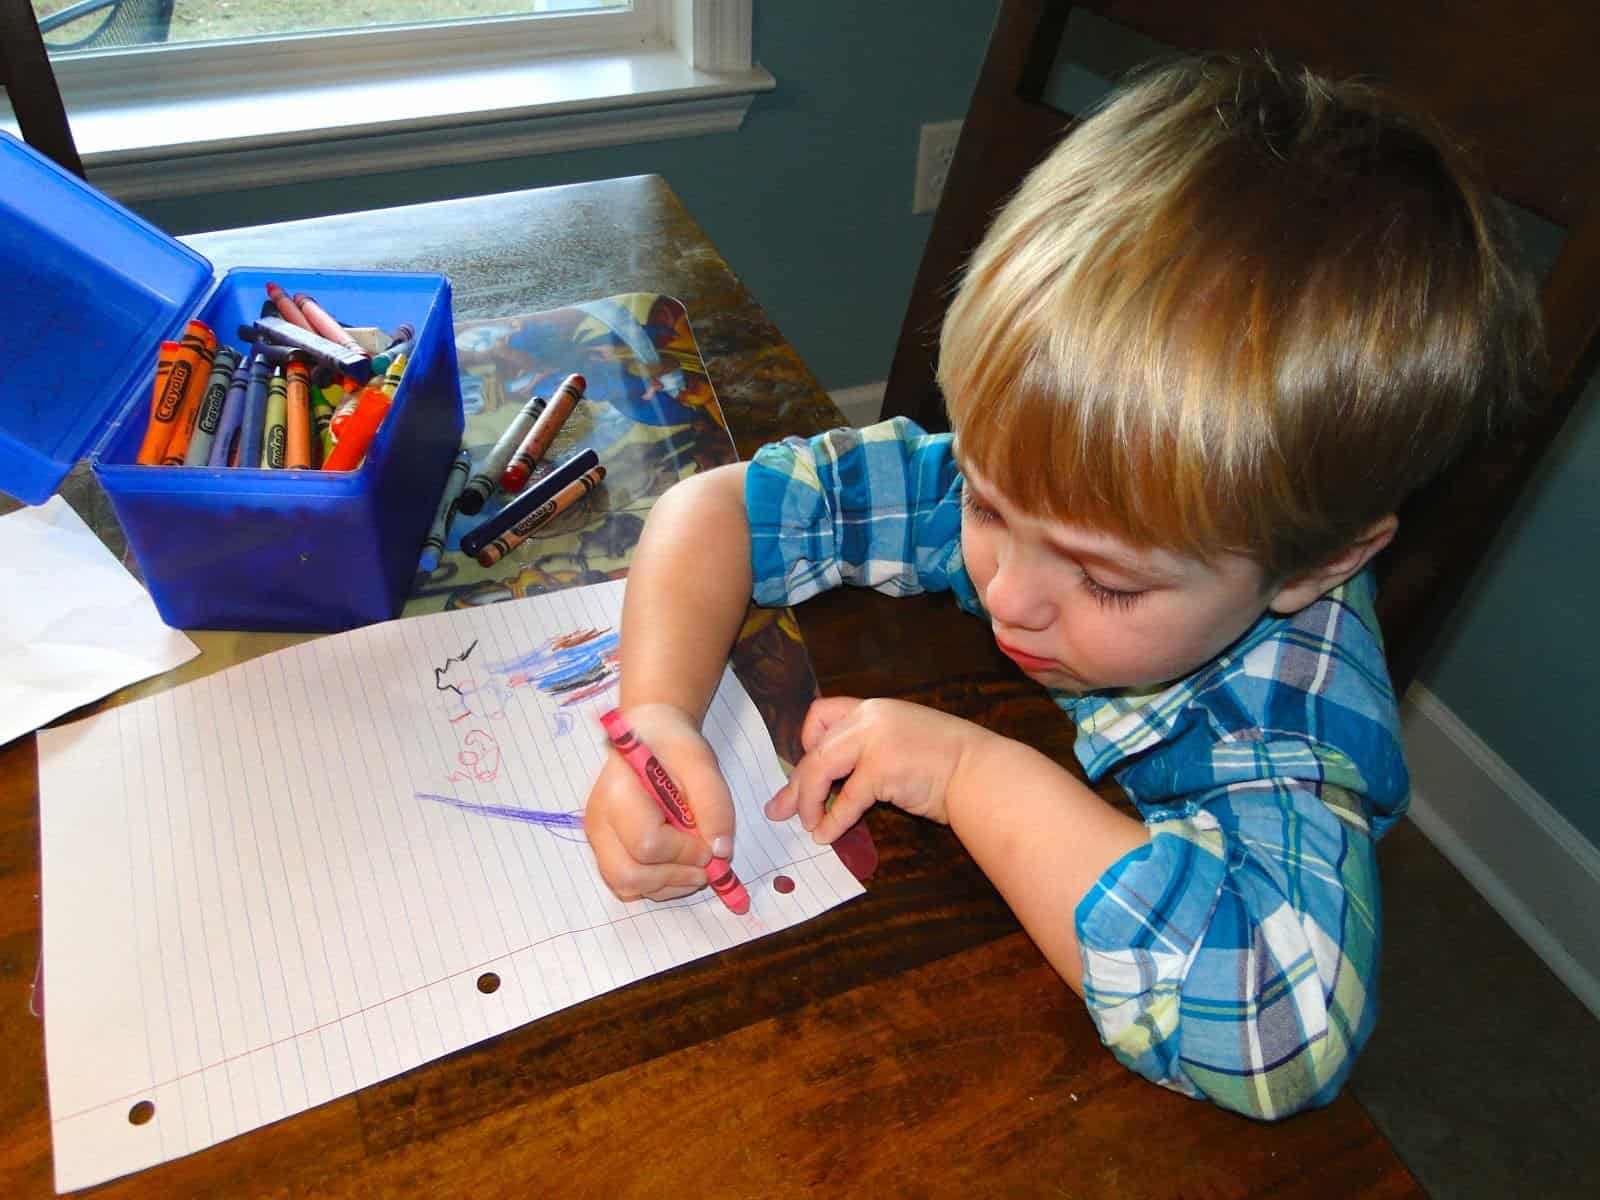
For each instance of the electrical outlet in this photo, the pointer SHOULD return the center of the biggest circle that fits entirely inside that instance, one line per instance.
(935, 148)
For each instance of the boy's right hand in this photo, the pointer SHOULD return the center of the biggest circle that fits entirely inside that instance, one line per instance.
(638, 853)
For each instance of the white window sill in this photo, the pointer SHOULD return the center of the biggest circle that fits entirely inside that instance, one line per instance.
(422, 114)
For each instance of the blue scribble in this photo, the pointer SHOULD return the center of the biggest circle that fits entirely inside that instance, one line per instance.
(560, 669)
(552, 821)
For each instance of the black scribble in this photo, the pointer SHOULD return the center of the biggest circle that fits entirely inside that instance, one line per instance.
(440, 672)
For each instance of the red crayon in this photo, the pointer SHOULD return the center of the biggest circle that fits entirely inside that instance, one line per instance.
(287, 308)
(719, 873)
(544, 431)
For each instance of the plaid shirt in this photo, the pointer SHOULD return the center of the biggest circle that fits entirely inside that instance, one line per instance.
(1233, 957)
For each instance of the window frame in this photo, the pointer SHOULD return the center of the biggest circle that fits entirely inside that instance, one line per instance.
(207, 117)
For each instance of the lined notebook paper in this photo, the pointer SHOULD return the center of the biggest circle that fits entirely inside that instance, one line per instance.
(275, 885)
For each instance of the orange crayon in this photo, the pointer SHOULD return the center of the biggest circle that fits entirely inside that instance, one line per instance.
(541, 516)
(544, 431)
(359, 430)
(298, 417)
(188, 358)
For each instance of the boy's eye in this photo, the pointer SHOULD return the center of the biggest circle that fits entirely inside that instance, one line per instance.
(977, 511)
(1109, 597)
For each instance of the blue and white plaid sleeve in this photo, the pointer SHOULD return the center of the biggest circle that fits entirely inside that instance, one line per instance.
(877, 507)
(1234, 956)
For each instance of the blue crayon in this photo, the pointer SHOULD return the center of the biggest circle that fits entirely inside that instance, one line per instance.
(232, 415)
(253, 424)
(528, 499)
(439, 531)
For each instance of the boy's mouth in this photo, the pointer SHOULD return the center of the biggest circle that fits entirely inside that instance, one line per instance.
(1028, 662)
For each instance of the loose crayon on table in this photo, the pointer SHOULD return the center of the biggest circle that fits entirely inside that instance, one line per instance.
(669, 798)
(253, 419)
(359, 431)
(297, 420)
(273, 445)
(552, 508)
(197, 343)
(324, 324)
(287, 307)
(227, 439)
(527, 500)
(533, 446)
(439, 531)
(487, 477)
(353, 363)
(209, 415)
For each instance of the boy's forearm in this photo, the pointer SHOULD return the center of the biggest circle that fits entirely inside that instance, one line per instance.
(1041, 836)
(688, 588)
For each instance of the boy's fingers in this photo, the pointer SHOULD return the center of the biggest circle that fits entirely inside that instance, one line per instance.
(629, 879)
(824, 714)
(707, 796)
(833, 758)
(649, 841)
(851, 800)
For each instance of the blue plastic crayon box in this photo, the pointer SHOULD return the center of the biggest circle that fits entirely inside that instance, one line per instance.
(90, 292)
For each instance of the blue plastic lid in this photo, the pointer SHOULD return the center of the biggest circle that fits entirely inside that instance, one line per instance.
(88, 291)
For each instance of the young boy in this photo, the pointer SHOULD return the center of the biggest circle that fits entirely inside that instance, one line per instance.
(1193, 369)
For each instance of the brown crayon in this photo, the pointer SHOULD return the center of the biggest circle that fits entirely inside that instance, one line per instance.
(533, 447)
(297, 420)
(190, 357)
(287, 308)
(541, 516)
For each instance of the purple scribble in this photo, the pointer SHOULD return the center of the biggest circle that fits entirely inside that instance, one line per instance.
(552, 821)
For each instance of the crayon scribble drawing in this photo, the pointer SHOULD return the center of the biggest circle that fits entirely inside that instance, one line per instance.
(573, 667)
(568, 669)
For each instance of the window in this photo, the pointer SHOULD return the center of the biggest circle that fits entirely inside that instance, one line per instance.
(211, 107)
(83, 26)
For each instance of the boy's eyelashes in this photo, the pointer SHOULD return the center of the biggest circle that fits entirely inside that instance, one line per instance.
(1107, 596)
(976, 509)
(1110, 597)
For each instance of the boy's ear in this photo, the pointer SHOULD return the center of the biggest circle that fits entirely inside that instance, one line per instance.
(1299, 591)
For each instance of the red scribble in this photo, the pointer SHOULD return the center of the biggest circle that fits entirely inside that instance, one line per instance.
(576, 638)
(480, 756)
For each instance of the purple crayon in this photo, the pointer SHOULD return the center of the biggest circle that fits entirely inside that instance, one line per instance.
(232, 415)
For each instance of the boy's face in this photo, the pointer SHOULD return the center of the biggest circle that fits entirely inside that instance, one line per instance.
(1081, 610)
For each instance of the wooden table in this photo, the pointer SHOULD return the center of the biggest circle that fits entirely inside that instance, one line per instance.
(911, 1042)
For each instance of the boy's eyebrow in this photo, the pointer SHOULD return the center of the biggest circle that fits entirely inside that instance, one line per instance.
(1137, 568)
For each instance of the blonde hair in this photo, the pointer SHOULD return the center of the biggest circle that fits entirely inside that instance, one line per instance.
(1237, 309)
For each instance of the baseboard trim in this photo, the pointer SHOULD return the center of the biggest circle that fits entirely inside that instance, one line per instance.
(860, 404)
(1530, 863)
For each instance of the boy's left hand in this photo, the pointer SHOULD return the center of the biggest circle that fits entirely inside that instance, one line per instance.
(885, 750)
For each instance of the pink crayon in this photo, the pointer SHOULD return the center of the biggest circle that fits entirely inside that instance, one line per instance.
(322, 323)
(719, 873)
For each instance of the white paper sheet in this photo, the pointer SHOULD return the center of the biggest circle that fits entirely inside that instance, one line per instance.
(74, 625)
(261, 890)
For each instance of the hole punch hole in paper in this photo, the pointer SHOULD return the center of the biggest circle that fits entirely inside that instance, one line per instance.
(782, 884)
(141, 1113)
(488, 983)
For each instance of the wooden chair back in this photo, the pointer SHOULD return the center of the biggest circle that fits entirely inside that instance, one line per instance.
(30, 85)
(1512, 81)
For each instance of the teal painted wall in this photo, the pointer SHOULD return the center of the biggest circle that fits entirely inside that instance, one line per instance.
(810, 204)
(809, 201)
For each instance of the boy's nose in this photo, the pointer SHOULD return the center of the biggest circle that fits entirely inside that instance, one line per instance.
(1015, 596)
